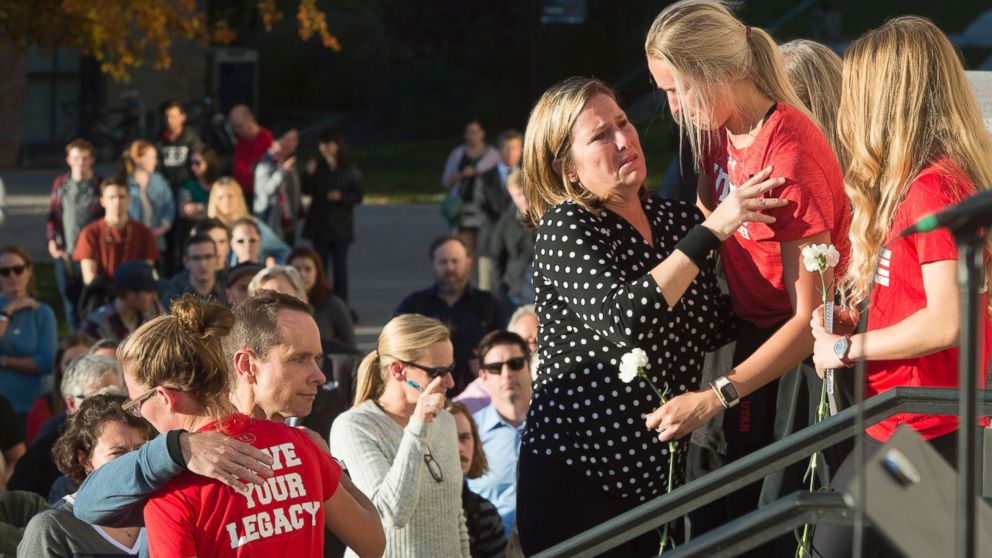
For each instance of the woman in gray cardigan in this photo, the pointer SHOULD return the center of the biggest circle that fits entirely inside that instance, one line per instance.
(399, 444)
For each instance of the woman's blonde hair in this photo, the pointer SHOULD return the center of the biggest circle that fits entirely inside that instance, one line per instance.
(182, 351)
(708, 50)
(548, 147)
(405, 337)
(240, 206)
(815, 73)
(905, 105)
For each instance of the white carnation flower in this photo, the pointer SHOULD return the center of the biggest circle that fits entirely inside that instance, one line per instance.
(631, 363)
(818, 257)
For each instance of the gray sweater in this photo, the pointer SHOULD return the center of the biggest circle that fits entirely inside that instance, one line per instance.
(421, 516)
(57, 532)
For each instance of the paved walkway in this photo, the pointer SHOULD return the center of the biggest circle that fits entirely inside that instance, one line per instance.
(388, 258)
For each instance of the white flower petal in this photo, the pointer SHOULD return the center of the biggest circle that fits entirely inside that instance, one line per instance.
(833, 256)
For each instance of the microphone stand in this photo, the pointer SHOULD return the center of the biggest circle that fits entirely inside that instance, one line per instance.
(971, 264)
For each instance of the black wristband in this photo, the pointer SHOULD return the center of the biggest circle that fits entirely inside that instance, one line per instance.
(175, 450)
(698, 244)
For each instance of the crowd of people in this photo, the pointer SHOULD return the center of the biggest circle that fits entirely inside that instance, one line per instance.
(210, 398)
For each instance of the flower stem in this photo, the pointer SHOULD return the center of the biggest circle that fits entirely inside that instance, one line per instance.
(667, 540)
(644, 376)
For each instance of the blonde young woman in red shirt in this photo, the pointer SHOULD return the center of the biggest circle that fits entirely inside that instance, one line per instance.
(727, 86)
(917, 145)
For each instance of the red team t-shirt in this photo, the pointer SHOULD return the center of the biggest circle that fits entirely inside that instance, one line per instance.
(898, 293)
(196, 516)
(814, 187)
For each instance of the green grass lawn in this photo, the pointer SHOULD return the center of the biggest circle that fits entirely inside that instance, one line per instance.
(48, 292)
(410, 171)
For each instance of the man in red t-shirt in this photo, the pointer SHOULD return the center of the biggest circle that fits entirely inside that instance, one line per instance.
(253, 142)
(105, 244)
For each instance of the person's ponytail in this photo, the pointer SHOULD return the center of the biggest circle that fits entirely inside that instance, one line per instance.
(768, 74)
(370, 381)
(404, 337)
(708, 50)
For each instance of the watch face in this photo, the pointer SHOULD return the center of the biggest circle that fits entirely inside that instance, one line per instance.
(840, 348)
(729, 392)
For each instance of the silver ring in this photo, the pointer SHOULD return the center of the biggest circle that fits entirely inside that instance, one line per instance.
(660, 429)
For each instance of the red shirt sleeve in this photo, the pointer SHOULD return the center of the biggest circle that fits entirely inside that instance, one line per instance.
(86, 244)
(169, 524)
(930, 194)
(330, 472)
(807, 189)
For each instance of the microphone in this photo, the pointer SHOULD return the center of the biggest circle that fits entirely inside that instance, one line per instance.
(972, 213)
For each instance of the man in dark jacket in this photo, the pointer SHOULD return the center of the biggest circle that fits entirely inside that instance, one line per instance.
(175, 145)
(468, 312)
(335, 185)
(512, 248)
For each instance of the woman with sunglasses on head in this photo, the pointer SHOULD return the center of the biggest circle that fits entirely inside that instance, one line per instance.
(227, 205)
(27, 333)
(399, 443)
(178, 378)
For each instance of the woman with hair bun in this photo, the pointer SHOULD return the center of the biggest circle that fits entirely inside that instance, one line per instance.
(178, 378)
(400, 443)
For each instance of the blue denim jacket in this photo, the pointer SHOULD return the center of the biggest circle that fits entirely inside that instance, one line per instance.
(162, 200)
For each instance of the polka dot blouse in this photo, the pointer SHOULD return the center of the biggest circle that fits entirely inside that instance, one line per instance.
(596, 301)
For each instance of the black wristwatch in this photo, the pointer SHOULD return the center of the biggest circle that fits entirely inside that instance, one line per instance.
(842, 348)
(726, 392)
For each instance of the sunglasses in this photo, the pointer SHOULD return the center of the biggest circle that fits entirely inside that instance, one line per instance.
(432, 372)
(244, 240)
(15, 269)
(433, 467)
(516, 364)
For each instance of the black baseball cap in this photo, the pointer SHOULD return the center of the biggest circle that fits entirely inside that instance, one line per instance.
(135, 275)
(242, 269)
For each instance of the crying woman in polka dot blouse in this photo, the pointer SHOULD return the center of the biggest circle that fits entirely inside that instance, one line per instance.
(596, 301)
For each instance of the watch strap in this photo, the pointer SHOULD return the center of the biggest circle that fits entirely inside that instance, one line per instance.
(845, 359)
(726, 392)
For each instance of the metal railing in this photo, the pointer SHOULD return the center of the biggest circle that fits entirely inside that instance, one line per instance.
(754, 467)
(778, 518)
